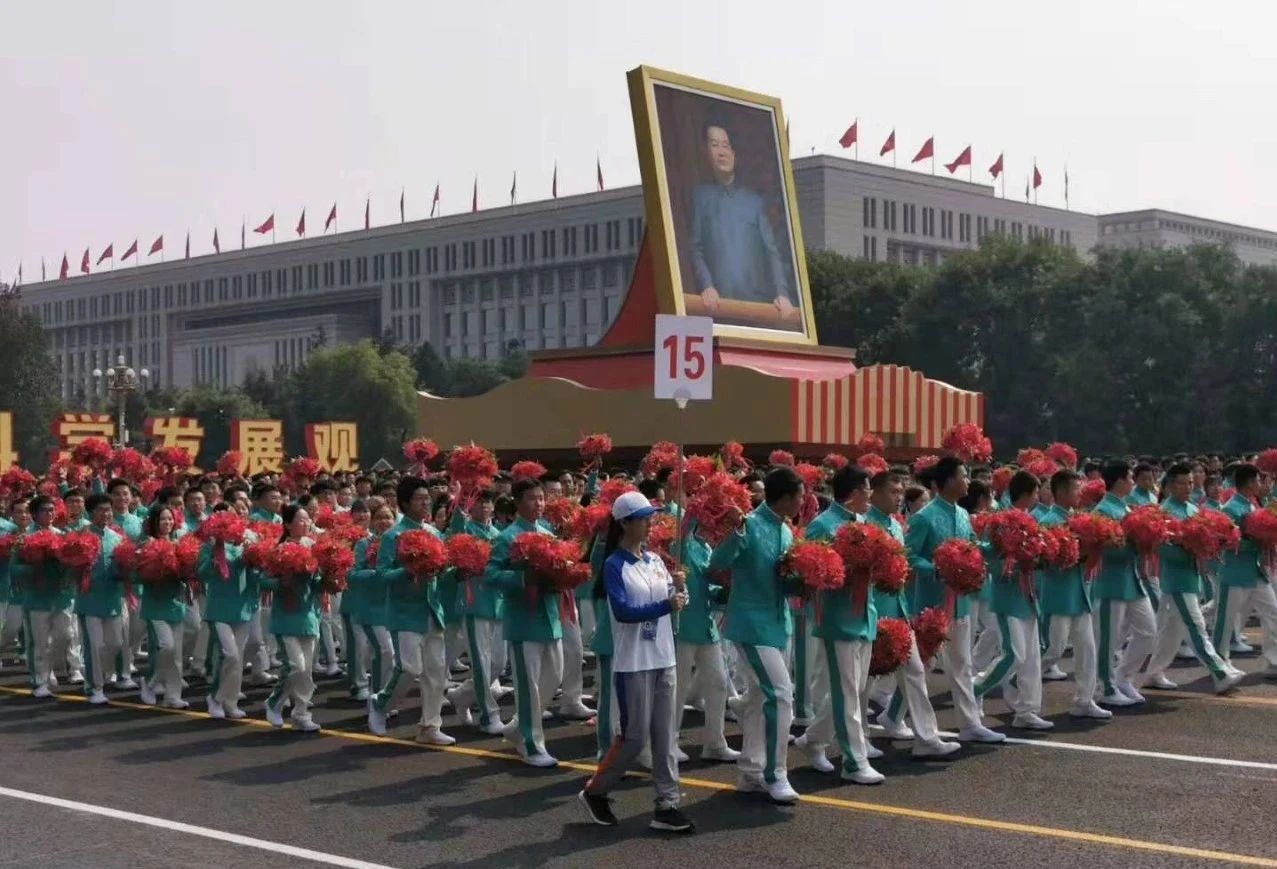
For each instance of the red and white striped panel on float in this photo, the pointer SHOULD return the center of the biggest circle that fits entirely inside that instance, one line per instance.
(902, 405)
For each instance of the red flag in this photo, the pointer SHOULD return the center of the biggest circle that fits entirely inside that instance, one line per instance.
(268, 225)
(474, 197)
(1037, 176)
(156, 246)
(130, 252)
(217, 245)
(368, 213)
(996, 169)
(62, 275)
(401, 192)
(109, 253)
(963, 159)
(928, 149)
(554, 183)
(332, 217)
(84, 262)
(888, 146)
(301, 224)
(849, 138)
(434, 203)
(598, 168)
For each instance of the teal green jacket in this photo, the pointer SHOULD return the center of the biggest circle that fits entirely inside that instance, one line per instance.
(530, 613)
(837, 617)
(226, 599)
(412, 604)
(257, 514)
(1241, 569)
(365, 597)
(295, 611)
(1179, 573)
(1064, 592)
(888, 604)
(1140, 498)
(928, 528)
(1007, 593)
(105, 595)
(128, 524)
(1117, 579)
(79, 523)
(192, 521)
(6, 528)
(477, 598)
(162, 603)
(45, 588)
(695, 622)
(757, 613)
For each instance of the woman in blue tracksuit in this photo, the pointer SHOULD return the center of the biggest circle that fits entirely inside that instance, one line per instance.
(641, 596)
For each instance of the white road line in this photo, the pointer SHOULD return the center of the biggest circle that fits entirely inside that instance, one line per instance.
(192, 830)
(1131, 752)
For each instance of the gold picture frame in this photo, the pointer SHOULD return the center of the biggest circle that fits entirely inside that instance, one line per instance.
(671, 216)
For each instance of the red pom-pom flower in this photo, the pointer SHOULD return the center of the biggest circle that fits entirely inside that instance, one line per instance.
(224, 526)
(663, 455)
(872, 464)
(835, 461)
(733, 456)
(78, 552)
(778, 458)
(422, 553)
(922, 464)
(172, 458)
(335, 561)
(594, 447)
(40, 547)
(468, 554)
(230, 463)
(561, 513)
(816, 565)
(472, 467)
(712, 506)
(420, 451)
(891, 647)
(1093, 492)
(1267, 462)
(1094, 534)
(94, 452)
(527, 469)
(1064, 454)
(1148, 527)
(960, 566)
(1207, 534)
(157, 562)
(931, 630)
(871, 443)
(967, 441)
(1062, 549)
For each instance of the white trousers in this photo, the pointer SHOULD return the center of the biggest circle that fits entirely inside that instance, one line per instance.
(573, 658)
(418, 658)
(711, 676)
(255, 650)
(1019, 668)
(103, 640)
(48, 633)
(1132, 621)
(961, 674)
(538, 668)
(988, 642)
(1238, 604)
(1179, 617)
(10, 624)
(135, 629)
(911, 692)
(766, 713)
(842, 715)
(1081, 630)
(483, 636)
(295, 685)
(225, 665)
(164, 658)
(330, 635)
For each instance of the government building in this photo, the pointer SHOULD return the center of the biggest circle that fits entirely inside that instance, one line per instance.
(549, 274)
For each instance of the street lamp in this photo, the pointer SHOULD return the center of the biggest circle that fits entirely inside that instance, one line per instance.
(121, 381)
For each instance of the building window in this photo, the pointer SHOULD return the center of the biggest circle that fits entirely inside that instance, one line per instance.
(414, 263)
(547, 244)
(432, 260)
(379, 267)
(396, 265)
(569, 241)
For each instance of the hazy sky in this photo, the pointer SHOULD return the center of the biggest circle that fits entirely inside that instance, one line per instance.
(140, 118)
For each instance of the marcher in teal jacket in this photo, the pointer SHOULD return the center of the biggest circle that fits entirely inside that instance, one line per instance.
(1244, 583)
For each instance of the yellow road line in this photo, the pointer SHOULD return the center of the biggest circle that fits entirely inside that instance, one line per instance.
(1226, 699)
(707, 784)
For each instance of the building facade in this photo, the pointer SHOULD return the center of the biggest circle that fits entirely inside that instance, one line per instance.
(1155, 228)
(549, 274)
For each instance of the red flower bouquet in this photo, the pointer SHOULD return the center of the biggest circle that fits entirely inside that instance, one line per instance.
(1064, 454)
(302, 469)
(1261, 527)
(778, 458)
(967, 441)
(1044, 469)
(422, 553)
(345, 530)
(872, 463)
(590, 521)
(291, 559)
(172, 458)
(78, 552)
(733, 456)
(225, 526)
(870, 443)
(696, 470)
(922, 464)
(1028, 456)
(527, 469)
(891, 648)
(1093, 492)
(1267, 462)
(561, 513)
(813, 475)
(1001, 480)
(1147, 528)
(17, 481)
(613, 489)
(931, 630)
(335, 562)
(872, 557)
(131, 465)
(553, 562)
(1017, 538)
(94, 452)
(40, 547)
(1062, 548)
(661, 456)
(230, 463)
(124, 557)
(1207, 535)
(960, 566)
(593, 448)
(712, 507)
(188, 557)
(817, 565)
(157, 562)
(420, 451)
(835, 461)
(472, 467)
(468, 554)
(1094, 534)
(660, 536)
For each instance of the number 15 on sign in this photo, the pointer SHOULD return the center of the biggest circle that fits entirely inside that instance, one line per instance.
(684, 355)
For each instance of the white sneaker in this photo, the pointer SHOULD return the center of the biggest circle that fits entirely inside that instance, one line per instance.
(939, 748)
(680, 756)
(97, 698)
(720, 753)
(334, 670)
(214, 707)
(576, 712)
(871, 751)
(76, 678)
(1117, 699)
(273, 715)
(782, 792)
(1031, 721)
(493, 728)
(1090, 710)
(1185, 652)
(175, 703)
(866, 775)
(147, 694)
(434, 736)
(42, 692)
(546, 714)
(751, 784)
(126, 684)
(1227, 683)
(540, 760)
(501, 692)
(815, 755)
(1240, 647)
(1130, 692)
(1053, 673)
(1159, 681)
(645, 758)
(881, 699)
(376, 718)
(980, 733)
(235, 713)
(361, 695)
(53, 680)
(305, 723)
(465, 716)
(893, 729)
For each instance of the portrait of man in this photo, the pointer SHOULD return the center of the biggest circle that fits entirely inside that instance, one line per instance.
(722, 214)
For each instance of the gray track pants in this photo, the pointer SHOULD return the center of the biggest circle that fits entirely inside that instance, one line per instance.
(646, 703)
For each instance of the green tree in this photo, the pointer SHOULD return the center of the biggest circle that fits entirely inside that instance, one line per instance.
(514, 363)
(858, 303)
(473, 377)
(433, 374)
(28, 381)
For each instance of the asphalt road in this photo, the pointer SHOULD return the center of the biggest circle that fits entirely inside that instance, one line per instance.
(1187, 774)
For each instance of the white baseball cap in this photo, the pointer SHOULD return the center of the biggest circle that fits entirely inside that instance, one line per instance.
(632, 505)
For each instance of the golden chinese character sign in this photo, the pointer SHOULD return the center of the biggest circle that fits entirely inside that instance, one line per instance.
(183, 432)
(8, 455)
(71, 429)
(260, 443)
(335, 445)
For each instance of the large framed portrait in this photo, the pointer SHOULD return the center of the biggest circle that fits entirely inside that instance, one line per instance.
(721, 211)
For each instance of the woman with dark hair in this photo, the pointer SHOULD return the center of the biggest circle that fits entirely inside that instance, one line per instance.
(163, 608)
(642, 595)
(294, 620)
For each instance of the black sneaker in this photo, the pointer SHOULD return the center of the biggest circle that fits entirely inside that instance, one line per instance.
(671, 820)
(600, 809)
